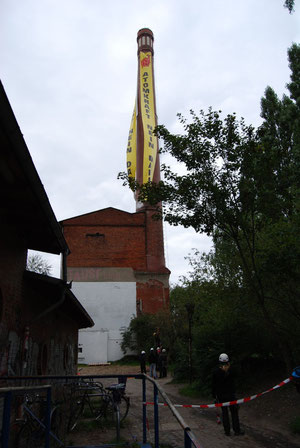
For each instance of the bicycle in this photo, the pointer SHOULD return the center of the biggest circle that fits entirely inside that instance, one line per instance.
(119, 404)
(84, 394)
(33, 425)
(111, 403)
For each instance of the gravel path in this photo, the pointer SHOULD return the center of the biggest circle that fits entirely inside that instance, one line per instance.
(258, 432)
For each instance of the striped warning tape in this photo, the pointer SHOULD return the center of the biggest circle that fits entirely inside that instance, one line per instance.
(227, 403)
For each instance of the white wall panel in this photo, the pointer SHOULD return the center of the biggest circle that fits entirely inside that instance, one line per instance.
(111, 305)
(94, 346)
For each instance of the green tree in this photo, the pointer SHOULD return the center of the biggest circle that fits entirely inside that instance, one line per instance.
(140, 333)
(289, 4)
(242, 187)
(225, 319)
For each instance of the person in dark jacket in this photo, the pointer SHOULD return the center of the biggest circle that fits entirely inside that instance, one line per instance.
(223, 390)
(163, 361)
(143, 361)
(158, 366)
(152, 363)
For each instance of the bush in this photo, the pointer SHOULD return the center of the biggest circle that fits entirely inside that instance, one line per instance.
(295, 425)
(140, 333)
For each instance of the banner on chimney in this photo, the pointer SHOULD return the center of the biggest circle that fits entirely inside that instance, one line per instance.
(147, 114)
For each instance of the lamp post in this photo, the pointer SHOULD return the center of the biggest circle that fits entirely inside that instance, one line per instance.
(190, 308)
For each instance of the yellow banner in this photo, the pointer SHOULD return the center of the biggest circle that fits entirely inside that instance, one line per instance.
(148, 115)
(131, 146)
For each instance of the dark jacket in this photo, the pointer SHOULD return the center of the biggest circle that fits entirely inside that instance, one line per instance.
(163, 360)
(143, 358)
(223, 385)
(152, 357)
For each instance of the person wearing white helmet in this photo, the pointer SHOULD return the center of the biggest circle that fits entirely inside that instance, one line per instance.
(223, 390)
(163, 361)
(223, 358)
(152, 363)
(143, 361)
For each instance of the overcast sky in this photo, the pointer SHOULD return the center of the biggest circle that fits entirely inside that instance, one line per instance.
(69, 68)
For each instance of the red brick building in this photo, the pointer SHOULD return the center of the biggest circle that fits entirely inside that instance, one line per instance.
(114, 245)
(117, 268)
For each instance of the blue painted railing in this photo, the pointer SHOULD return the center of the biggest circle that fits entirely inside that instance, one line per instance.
(8, 393)
(189, 438)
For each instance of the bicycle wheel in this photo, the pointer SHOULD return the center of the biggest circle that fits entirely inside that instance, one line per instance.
(112, 416)
(30, 436)
(117, 420)
(23, 436)
(56, 427)
(124, 407)
(96, 401)
(76, 409)
(109, 409)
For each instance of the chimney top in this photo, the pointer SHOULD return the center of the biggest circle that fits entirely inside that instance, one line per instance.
(145, 40)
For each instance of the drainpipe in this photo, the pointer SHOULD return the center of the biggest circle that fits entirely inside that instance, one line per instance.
(55, 305)
(64, 265)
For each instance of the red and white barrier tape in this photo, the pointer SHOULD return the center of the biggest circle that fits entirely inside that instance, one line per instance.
(227, 403)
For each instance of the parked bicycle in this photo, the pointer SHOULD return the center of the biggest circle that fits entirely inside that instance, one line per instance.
(84, 396)
(119, 404)
(32, 431)
(92, 399)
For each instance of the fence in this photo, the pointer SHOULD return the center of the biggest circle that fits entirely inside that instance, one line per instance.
(189, 438)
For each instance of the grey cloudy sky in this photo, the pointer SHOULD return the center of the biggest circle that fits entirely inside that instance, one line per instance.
(69, 68)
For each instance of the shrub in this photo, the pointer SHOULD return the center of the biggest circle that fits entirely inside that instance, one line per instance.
(295, 425)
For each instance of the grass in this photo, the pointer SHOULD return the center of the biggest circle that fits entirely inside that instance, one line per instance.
(295, 425)
(87, 425)
(129, 360)
(191, 390)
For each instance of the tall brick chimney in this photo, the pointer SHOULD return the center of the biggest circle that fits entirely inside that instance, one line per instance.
(146, 98)
(146, 146)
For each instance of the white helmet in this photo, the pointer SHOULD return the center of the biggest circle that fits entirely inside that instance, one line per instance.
(143, 352)
(223, 357)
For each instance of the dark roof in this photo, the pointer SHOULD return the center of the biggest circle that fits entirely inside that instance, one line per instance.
(24, 202)
(50, 287)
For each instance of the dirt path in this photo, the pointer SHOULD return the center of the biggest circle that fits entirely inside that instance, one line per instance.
(262, 429)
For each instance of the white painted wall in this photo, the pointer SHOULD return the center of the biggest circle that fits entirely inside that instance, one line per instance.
(111, 305)
(93, 345)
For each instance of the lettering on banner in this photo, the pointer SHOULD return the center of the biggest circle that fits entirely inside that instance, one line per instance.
(146, 92)
(148, 113)
(129, 148)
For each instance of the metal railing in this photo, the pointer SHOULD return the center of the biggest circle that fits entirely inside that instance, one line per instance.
(8, 393)
(189, 438)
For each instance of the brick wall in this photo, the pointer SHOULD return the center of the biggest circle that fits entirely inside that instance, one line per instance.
(108, 238)
(152, 296)
(12, 264)
(54, 336)
(113, 238)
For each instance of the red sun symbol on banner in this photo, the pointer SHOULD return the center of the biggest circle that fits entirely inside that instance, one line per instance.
(146, 61)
